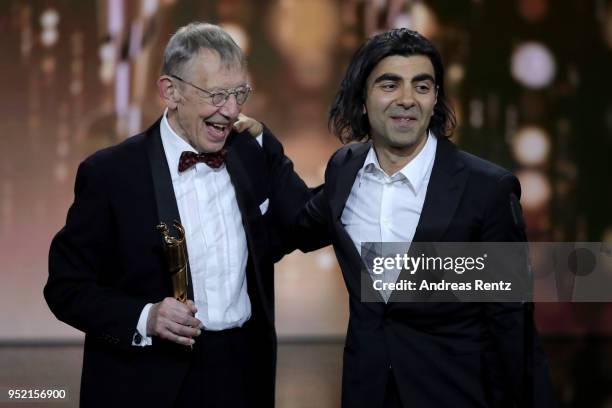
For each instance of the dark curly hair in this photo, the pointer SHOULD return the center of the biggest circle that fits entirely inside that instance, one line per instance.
(346, 118)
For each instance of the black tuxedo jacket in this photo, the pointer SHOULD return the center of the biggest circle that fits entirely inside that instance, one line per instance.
(107, 262)
(441, 354)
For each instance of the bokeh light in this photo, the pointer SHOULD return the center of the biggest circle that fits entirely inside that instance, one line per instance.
(238, 34)
(536, 191)
(533, 65)
(419, 18)
(531, 146)
(49, 19)
(455, 73)
(49, 37)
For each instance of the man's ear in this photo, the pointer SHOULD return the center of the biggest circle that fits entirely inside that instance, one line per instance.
(168, 92)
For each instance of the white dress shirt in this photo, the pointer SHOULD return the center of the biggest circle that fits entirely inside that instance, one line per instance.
(216, 240)
(387, 208)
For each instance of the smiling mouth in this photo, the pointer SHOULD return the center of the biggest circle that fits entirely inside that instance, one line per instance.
(217, 131)
(217, 126)
(403, 120)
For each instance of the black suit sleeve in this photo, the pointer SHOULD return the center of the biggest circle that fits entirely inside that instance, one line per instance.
(511, 325)
(288, 196)
(79, 265)
(311, 227)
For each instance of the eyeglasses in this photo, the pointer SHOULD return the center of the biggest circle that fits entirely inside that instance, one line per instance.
(218, 98)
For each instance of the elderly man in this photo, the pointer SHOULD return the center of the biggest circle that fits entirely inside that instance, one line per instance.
(108, 275)
(404, 181)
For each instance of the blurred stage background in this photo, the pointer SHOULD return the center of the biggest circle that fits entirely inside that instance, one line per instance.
(529, 79)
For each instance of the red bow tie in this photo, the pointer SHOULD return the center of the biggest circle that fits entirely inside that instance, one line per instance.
(214, 160)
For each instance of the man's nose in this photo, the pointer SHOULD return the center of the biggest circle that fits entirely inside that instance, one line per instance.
(405, 97)
(231, 108)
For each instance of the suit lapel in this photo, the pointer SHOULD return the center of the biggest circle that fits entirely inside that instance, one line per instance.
(444, 191)
(249, 209)
(247, 202)
(340, 184)
(347, 172)
(167, 210)
(340, 188)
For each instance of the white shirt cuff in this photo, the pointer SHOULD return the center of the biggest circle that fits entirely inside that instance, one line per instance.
(140, 338)
(260, 139)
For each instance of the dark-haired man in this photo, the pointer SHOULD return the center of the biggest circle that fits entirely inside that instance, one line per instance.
(406, 182)
(107, 272)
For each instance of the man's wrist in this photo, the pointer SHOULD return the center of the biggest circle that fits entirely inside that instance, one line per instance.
(140, 337)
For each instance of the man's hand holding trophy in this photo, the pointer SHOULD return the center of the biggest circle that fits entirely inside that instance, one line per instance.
(174, 317)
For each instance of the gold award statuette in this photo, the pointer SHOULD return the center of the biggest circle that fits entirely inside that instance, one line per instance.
(176, 255)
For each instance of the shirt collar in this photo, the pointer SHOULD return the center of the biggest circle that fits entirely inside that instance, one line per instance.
(173, 144)
(415, 171)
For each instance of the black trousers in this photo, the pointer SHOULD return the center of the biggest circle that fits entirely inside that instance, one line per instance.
(392, 398)
(221, 372)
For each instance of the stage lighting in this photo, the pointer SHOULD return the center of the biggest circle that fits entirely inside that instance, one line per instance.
(531, 146)
(238, 34)
(533, 65)
(536, 191)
